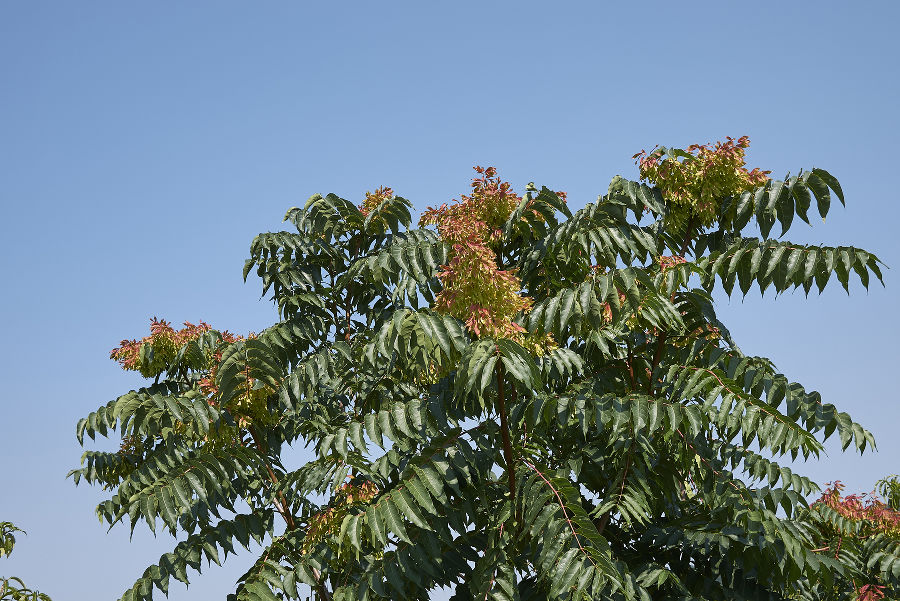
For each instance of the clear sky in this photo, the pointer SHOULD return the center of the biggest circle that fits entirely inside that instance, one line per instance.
(143, 145)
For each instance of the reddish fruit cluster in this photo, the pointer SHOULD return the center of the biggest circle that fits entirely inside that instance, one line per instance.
(873, 517)
(164, 342)
(328, 521)
(131, 445)
(669, 262)
(877, 516)
(694, 180)
(373, 199)
(248, 405)
(207, 383)
(476, 290)
(478, 217)
(870, 592)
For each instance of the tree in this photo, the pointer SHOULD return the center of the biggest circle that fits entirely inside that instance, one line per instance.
(12, 588)
(513, 400)
(863, 533)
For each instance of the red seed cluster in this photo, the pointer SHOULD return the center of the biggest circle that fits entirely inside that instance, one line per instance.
(476, 290)
(870, 592)
(327, 522)
(669, 262)
(876, 515)
(373, 199)
(695, 179)
(164, 341)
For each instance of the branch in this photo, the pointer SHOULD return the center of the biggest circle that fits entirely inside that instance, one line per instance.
(504, 431)
(660, 345)
(320, 585)
(281, 502)
(631, 366)
(565, 511)
(604, 521)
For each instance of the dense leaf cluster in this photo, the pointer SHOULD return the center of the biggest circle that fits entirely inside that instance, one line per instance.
(11, 587)
(615, 444)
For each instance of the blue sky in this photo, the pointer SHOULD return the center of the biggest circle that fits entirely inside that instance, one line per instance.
(143, 145)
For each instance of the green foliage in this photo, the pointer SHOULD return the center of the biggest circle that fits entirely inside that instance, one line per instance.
(610, 441)
(862, 532)
(12, 588)
(889, 489)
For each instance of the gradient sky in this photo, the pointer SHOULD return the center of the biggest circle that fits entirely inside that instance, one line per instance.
(143, 145)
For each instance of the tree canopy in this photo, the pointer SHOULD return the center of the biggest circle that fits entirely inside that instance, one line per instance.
(513, 400)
